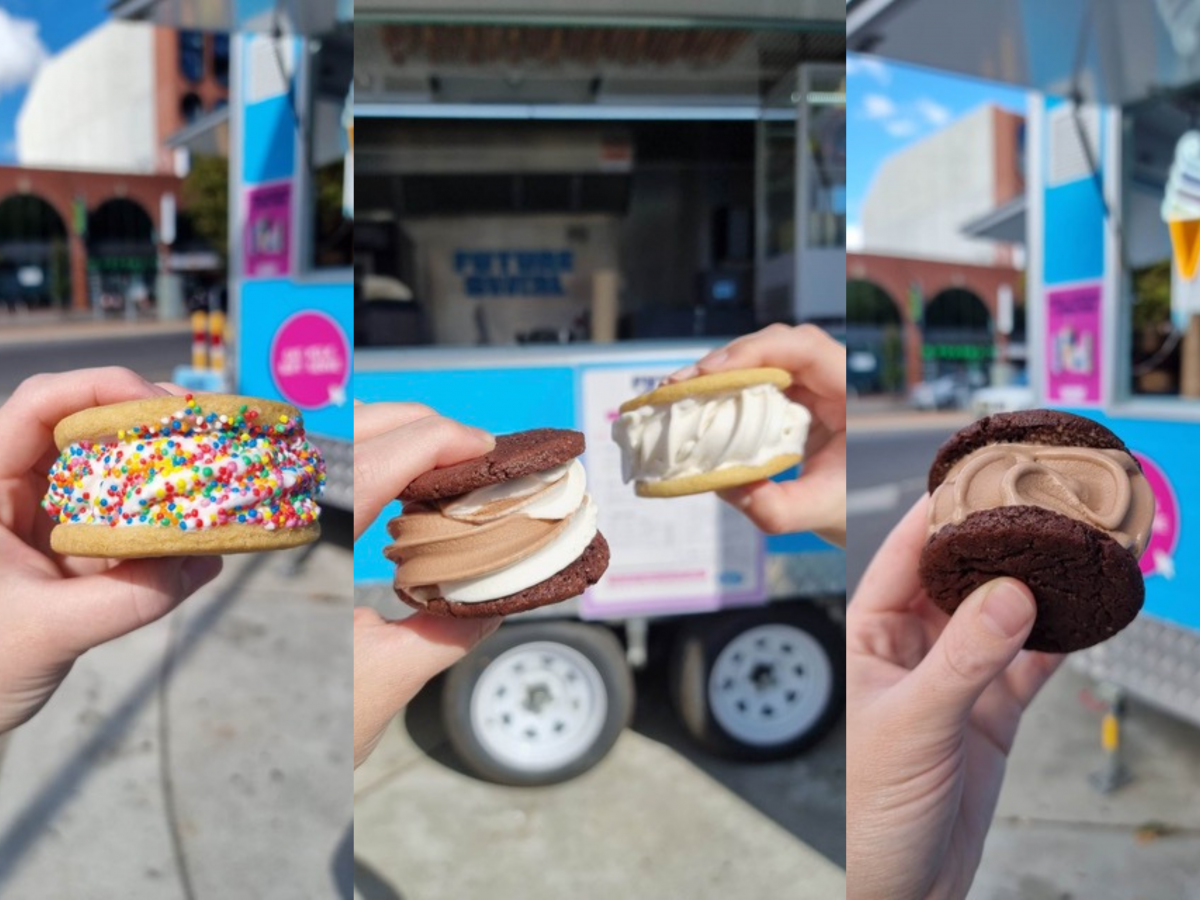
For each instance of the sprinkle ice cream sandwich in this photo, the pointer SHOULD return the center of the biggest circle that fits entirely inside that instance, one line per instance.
(196, 475)
(710, 433)
(1054, 500)
(506, 532)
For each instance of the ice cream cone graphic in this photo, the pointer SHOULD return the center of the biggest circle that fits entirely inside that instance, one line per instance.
(1181, 205)
(1185, 246)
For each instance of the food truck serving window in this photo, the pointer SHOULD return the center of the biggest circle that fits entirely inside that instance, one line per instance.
(557, 184)
(1161, 339)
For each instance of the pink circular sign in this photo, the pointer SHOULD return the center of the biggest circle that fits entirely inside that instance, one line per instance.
(1159, 558)
(310, 360)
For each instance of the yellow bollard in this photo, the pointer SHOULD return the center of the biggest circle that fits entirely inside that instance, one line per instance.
(216, 340)
(200, 340)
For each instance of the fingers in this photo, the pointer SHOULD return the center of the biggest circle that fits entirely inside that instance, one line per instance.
(373, 419)
(979, 642)
(27, 420)
(97, 608)
(385, 464)
(394, 660)
(815, 501)
(1030, 672)
(816, 361)
(891, 580)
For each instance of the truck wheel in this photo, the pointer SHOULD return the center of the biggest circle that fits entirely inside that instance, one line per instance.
(763, 684)
(539, 703)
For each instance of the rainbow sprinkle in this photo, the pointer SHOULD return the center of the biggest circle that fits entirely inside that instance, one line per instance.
(190, 471)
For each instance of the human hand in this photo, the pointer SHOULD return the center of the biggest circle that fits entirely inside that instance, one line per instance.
(816, 501)
(932, 708)
(393, 660)
(54, 608)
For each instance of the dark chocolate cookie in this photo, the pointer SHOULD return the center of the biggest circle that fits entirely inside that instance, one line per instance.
(514, 456)
(1087, 586)
(1030, 426)
(570, 582)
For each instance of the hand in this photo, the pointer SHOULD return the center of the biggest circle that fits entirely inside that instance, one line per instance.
(816, 501)
(932, 708)
(54, 608)
(393, 444)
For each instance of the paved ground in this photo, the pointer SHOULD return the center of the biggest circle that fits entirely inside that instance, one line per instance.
(207, 756)
(1054, 838)
(153, 349)
(656, 819)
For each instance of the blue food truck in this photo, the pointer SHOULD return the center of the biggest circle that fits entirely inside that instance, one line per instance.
(1109, 223)
(557, 208)
(290, 313)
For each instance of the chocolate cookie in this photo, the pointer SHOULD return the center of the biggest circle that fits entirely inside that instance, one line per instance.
(1087, 586)
(514, 456)
(1049, 498)
(1051, 427)
(570, 582)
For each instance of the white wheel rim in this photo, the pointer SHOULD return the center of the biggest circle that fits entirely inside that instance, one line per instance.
(539, 706)
(769, 685)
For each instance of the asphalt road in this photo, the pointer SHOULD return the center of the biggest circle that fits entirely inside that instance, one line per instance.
(887, 473)
(152, 355)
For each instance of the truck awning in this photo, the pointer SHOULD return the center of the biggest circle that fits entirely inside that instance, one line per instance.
(1132, 49)
(1004, 223)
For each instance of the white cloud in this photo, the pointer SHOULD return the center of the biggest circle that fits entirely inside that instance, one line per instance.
(868, 66)
(21, 51)
(877, 106)
(854, 237)
(900, 127)
(935, 114)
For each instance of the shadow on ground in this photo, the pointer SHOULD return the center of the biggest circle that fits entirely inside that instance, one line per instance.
(805, 795)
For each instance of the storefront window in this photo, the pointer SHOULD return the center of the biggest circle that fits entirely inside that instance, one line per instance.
(220, 51)
(191, 55)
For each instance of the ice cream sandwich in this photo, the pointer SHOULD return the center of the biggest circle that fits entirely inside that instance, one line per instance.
(510, 531)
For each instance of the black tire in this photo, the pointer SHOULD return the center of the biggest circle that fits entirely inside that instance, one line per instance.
(752, 730)
(489, 749)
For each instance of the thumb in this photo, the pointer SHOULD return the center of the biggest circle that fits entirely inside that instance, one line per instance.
(982, 638)
(129, 595)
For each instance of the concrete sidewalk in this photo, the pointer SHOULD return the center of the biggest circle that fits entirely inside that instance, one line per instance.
(658, 819)
(1054, 837)
(206, 756)
(19, 330)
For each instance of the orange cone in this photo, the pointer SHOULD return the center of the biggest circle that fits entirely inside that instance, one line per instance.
(1185, 243)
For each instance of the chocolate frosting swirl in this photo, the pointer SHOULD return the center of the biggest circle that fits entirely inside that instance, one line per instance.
(1102, 488)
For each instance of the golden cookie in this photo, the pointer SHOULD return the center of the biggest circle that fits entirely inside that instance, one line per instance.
(703, 385)
(733, 476)
(196, 475)
(139, 541)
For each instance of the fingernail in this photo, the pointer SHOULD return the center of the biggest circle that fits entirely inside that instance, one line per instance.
(488, 627)
(713, 360)
(682, 375)
(198, 571)
(1006, 610)
(486, 436)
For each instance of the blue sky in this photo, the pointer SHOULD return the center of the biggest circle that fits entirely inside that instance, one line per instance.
(29, 30)
(890, 106)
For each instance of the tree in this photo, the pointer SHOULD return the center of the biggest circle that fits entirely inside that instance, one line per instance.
(206, 201)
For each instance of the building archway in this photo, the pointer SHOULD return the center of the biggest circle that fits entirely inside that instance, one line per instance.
(874, 339)
(959, 335)
(35, 267)
(122, 256)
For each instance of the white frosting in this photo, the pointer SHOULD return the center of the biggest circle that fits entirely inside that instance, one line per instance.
(525, 573)
(747, 427)
(558, 502)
